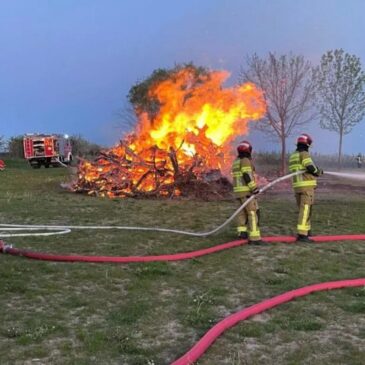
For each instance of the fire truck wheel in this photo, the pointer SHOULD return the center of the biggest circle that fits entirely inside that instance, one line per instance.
(46, 165)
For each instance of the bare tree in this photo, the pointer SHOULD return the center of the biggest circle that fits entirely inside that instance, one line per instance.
(288, 88)
(15, 146)
(2, 143)
(341, 96)
(81, 147)
(126, 118)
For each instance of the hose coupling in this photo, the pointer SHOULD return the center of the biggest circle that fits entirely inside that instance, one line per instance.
(4, 248)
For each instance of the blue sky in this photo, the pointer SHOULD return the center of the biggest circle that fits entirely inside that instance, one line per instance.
(66, 66)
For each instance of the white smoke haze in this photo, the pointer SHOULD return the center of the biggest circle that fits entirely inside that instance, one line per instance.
(346, 175)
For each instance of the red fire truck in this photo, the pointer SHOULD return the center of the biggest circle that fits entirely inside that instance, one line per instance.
(47, 149)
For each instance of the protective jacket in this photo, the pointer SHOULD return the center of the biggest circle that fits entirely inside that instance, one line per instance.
(300, 160)
(243, 172)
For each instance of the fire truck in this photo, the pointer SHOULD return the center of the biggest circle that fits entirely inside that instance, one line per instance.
(47, 149)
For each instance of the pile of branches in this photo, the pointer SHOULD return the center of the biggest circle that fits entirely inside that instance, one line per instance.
(120, 172)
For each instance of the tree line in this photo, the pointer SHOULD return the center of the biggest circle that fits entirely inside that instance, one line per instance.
(297, 92)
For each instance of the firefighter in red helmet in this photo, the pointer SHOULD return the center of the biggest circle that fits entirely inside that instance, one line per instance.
(304, 185)
(244, 186)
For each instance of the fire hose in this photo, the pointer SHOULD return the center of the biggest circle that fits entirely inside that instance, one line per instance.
(63, 229)
(205, 342)
(9, 249)
(59, 229)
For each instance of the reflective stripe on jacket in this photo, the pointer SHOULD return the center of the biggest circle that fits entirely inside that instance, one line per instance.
(299, 161)
(240, 167)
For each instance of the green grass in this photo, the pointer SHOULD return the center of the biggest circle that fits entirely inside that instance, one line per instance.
(152, 313)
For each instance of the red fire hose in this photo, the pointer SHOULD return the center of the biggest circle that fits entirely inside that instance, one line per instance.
(203, 344)
(168, 257)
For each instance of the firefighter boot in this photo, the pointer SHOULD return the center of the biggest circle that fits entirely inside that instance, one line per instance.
(243, 235)
(304, 238)
(257, 242)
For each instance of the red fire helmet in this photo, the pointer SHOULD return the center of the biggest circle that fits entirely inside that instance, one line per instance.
(305, 138)
(244, 146)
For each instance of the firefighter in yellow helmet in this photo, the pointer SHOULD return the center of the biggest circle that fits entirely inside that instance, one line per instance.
(304, 185)
(244, 186)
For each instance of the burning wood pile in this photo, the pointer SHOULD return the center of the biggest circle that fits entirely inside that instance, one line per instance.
(182, 147)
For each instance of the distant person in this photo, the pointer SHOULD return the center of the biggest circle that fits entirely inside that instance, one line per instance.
(244, 186)
(2, 165)
(304, 185)
(359, 160)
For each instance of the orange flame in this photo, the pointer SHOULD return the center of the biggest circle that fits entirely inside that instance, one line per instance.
(195, 119)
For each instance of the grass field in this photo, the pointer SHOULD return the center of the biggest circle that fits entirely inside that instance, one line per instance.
(57, 313)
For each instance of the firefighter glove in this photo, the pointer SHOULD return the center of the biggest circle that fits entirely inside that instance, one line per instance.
(319, 172)
(255, 191)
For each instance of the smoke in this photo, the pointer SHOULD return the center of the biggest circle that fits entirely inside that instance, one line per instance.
(346, 175)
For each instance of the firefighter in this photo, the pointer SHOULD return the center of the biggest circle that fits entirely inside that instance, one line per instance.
(244, 186)
(304, 185)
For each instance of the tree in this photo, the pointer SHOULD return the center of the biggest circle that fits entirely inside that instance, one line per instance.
(82, 147)
(139, 94)
(2, 143)
(126, 118)
(288, 88)
(341, 97)
(15, 147)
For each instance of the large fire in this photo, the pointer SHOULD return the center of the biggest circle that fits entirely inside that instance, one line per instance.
(186, 138)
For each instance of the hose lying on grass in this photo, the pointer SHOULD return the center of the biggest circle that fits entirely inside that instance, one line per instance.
(58, 229)
(206, 341)
(8, 249)
(62, 229)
